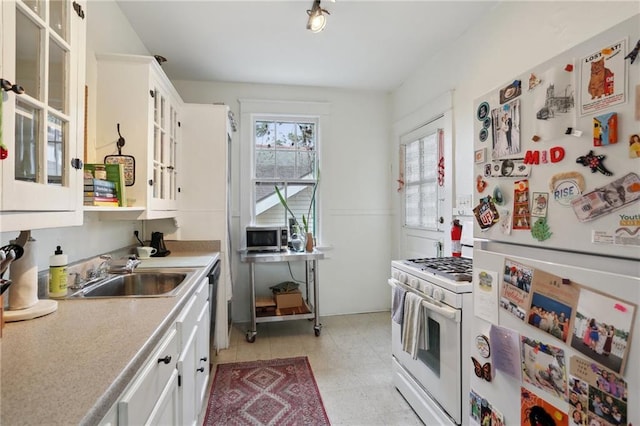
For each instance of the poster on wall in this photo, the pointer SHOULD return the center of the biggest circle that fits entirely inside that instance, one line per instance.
(554, 103)
(603, 78)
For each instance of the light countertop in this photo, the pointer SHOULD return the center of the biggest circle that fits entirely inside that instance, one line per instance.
(70, 367)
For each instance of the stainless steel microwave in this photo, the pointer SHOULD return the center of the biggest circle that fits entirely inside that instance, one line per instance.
(267, 238)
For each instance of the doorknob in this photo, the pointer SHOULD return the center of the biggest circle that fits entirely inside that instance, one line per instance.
(7, 86)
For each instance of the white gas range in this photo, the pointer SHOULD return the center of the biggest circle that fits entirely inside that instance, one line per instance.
(436, 382)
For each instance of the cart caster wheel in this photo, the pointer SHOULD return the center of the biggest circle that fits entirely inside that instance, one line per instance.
(317, 331)
(251, 337)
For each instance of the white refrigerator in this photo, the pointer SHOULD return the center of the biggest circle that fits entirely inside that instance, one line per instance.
(556, 260)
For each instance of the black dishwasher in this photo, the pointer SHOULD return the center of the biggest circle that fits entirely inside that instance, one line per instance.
(214, 278)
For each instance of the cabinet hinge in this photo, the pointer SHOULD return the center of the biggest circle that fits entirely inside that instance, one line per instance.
(78, 9)
(179, 379)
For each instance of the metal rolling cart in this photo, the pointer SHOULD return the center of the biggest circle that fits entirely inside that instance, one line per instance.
(311, 280)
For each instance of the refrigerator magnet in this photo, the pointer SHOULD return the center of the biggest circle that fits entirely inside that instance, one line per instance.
(482, 344)
(594, 162)
(565, 187)
(483, 111)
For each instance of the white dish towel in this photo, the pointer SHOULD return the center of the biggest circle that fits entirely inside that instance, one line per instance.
(413, 337)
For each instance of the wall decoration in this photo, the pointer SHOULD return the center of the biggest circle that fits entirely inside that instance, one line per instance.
(602, 328)
(607, 199)
(603, 77)
(506, 129)
(480, 155)
(534, 410)
(634, 146)
(605, 129)
(485, 296)
(555, 106)
(544, 366)
(566, 186)
(597, 390)
(521, 213)
(511, 167)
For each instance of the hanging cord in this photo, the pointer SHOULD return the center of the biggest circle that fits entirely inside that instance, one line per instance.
(292, 277)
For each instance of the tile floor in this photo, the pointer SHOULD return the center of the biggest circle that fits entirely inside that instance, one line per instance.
(351, 361)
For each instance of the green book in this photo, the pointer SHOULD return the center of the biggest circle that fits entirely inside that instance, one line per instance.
(114, 173)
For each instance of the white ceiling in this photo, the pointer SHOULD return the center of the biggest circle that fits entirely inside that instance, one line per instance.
(365, 45)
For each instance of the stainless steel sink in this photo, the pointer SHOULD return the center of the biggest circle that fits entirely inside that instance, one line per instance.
(148, 283)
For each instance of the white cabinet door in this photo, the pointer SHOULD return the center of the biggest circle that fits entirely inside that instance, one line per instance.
(187, 369)
(166, 411)
(43, 51)
(149, 122)
(142, 396)
(202, 356)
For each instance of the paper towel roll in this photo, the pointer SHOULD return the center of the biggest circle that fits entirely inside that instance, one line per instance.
(23, 293)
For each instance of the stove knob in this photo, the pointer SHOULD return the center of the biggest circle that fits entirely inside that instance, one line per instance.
(402, 277)
(414, 282)
(427, 289)
(394, 274)
(438, 294)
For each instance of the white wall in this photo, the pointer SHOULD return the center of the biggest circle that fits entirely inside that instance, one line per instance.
(514, 37)
(353, 195)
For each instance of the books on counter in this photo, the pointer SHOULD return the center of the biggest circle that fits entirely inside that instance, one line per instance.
(104, 185)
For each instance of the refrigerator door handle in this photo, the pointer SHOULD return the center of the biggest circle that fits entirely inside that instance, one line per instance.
(429, 303)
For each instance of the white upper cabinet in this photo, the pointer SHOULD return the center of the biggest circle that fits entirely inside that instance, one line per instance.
(43, 76)
(134, 93)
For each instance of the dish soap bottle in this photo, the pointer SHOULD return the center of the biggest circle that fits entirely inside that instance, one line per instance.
(58, 274)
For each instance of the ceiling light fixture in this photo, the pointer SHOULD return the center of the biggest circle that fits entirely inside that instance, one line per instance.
(317, 21)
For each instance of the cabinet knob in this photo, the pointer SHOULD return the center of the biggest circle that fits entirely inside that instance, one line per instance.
(166, 359)
(7, 86)
(203, 359)
(76, 163)
(150, 182)
(201, 369)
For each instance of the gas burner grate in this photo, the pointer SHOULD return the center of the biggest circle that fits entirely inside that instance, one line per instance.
(455, 268)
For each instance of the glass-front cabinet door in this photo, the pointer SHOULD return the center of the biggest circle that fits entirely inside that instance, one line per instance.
(42, 104)
(165, 141)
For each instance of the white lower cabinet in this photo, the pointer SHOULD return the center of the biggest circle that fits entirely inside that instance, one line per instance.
(193, 366)
(169, 388)
(142, 396)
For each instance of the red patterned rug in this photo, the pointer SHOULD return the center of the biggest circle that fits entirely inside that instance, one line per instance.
(277, 392)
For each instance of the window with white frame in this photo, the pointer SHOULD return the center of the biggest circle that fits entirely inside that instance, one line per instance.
(422, 173)
(285, 155)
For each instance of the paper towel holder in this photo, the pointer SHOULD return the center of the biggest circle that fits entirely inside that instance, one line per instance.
(37, 308)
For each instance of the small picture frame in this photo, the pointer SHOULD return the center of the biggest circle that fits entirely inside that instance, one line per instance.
(480, 155)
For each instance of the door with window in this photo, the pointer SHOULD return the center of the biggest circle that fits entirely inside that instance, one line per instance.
(426, 194)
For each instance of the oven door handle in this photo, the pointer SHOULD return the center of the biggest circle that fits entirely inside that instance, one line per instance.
(430, 303)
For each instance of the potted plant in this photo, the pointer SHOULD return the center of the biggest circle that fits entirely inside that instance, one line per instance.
(305, 219)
